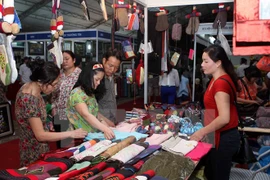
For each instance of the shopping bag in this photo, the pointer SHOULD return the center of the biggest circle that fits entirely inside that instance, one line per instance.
(264, 63)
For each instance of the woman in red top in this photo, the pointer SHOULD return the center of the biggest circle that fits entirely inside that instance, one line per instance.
(221, 116)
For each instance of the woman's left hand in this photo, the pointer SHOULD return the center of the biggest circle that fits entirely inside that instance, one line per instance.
(197, 136)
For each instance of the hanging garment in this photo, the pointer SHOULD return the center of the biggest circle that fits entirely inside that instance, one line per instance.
(177, 32)
(251, 33)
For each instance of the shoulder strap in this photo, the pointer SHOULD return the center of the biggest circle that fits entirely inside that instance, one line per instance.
(235, 102)
(243, 82)
(234, 94)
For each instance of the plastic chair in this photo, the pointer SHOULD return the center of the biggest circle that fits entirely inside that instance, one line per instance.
(257, 170)
(263, 159)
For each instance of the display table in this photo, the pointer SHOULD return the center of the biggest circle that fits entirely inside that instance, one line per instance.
(254, 129)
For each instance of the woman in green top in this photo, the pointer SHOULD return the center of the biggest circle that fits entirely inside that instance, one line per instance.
(82, 107)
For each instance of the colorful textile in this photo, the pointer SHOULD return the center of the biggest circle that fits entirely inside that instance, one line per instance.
(146, 175)
(126, 171)
(78, 166)
(150, 150)
(156, 139)
(168, 165)
(61, 94)
(184, 146)
(91, 172)
(200, 150)
(112, 166)
(94, 150)
(126, 127)
(114, 149)
(118, 135)
(86, 145)
(78, 96)
(38, 171)
(166, 145)
(128, 153)
(73, 173)
(26, 107)
(61, 154)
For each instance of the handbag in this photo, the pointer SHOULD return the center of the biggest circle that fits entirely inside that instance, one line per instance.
(264, 63)
(245, 154)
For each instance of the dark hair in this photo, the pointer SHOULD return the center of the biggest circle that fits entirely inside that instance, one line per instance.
(71, 54)
(115, 53)
(78, 61)
(252, 71)
(243, 61)
(86, 80)
(43, 72)
(216, 52)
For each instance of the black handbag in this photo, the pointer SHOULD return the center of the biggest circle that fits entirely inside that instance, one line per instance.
(245, 154)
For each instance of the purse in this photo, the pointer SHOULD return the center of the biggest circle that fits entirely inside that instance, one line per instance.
(245, 154)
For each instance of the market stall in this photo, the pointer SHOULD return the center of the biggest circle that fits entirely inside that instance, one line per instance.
(160, 3)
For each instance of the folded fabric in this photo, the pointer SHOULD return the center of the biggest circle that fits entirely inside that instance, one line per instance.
(39, 170)
(166, 145)
(62, 154)
(113, 150)
(168, 165)
(78, 166)
(127, 170)
(156, 139)
(184, 146)
(126, 127)
(91, 172)
(86, 145)
(144, 176)
(93, 151)
(170, 143)
(72, 173)
(128, 153)
(199, 151)
(150, 150)
(112, 166)
(118, 135)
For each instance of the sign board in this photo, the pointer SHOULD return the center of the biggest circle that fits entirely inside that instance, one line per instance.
(207, 28)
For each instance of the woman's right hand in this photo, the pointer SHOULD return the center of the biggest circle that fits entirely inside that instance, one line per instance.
(78, 133)
(108, 133)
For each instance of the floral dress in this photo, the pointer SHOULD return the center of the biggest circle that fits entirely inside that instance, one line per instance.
(62, 92)
(28, 106)
(77, 96)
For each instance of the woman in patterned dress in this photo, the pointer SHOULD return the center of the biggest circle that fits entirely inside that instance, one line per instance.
(82, 107)
(31, 113)
(68, 77)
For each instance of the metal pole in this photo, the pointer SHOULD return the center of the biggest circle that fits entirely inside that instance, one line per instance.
(194, 67)
(145, 54)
